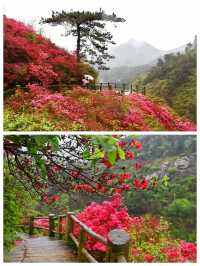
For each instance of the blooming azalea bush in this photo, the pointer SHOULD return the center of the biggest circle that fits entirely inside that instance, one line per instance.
(29, 57)
(150, 239)
(82, 109)
(41, 223)
(151, 242)
(102, 218)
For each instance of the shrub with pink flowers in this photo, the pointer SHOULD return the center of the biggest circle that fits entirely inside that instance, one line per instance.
(102, 218)
(29, 57)
(89, 110)
(150, 239)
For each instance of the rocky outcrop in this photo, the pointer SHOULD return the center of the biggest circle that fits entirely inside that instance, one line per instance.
(176, 167)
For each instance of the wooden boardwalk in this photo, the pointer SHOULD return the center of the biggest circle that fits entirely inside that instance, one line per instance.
(42, 249)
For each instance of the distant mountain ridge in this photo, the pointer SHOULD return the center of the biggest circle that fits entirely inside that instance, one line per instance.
(131, 58)
(137, 53)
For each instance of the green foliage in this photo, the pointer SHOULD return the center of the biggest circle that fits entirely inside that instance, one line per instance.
(17, 205)
(173, 80)
(177, 203)
(167, 146)
(60, 206)
(181, 208)
(26, 121)
(150, 238)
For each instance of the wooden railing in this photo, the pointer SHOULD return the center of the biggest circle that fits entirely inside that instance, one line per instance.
(61, 226)
(121, 88)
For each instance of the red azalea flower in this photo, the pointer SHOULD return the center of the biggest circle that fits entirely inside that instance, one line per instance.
(106, 163)
(122, 144)
(18, 242)
(56, 168)
(138, 166)
(148, 258)
(138, 145)
(125, 187)
(130, 155)
(144, 184)
(45, 198)
(136, 183)
(55, 198)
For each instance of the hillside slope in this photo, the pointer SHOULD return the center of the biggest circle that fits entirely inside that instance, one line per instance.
(31, 58)
(34, 65)
(173, 80)
(175, 157)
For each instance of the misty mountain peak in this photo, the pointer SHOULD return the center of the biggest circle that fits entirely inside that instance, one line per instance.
(136, 43)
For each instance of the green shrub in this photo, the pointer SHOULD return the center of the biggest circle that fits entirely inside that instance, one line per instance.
(26, 122)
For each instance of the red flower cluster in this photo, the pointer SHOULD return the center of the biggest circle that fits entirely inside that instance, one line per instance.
(148, 258)
(41, 99)
(83, 187)
(29, 57)
(130, 155)
(144, 107)
(49, 200)
(140, 184)
(41, 223)
(185, 252)
(102, 218)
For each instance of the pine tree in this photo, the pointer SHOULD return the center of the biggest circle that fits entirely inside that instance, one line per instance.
(89, 29)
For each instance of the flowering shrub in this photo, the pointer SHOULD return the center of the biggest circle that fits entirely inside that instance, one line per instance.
(29, 57)
(144, 107)
(41, 223)
(150, 236)
(18, 242)
(102, 218)
(82, 109)
(151, 242)
(55, 104)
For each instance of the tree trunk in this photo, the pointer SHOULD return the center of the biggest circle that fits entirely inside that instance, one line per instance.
(78, 46)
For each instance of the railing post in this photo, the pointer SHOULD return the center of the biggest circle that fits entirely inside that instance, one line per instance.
(144, 90)
(69, 225)
(81, 243)
(123, 88)
(61, 219)
(118, 245)
(31, 226)
(137, 88)
(51, 225)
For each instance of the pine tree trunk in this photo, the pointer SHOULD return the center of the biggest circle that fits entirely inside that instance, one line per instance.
(78, 46)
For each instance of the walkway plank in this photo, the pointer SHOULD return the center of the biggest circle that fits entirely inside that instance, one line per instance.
(42, 249)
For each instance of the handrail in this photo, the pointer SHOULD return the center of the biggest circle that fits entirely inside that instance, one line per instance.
(117, 242)
(122, 87)
(89, 231)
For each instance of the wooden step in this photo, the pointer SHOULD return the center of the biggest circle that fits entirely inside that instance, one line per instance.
(42, 249)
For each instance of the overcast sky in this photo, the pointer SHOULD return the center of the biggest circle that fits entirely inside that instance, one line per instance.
(166, 24)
